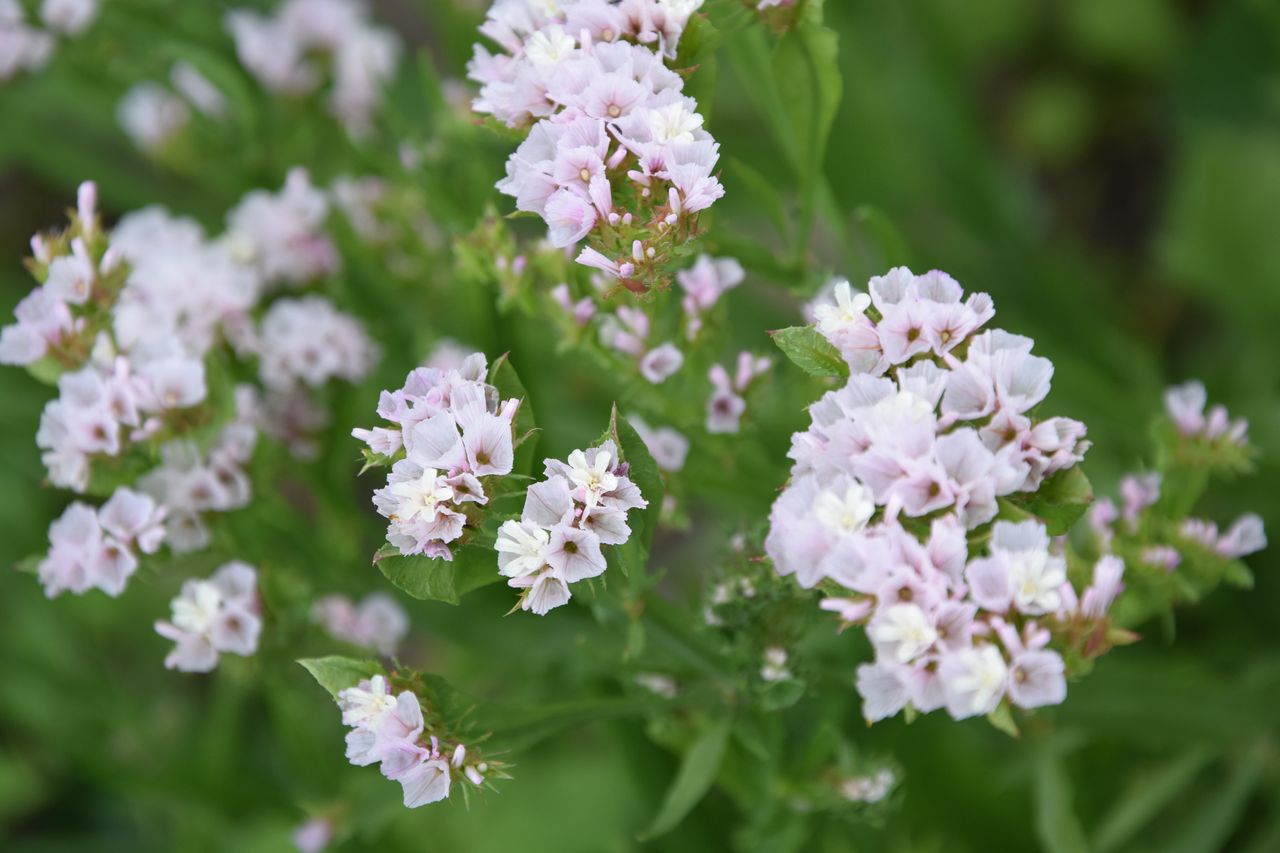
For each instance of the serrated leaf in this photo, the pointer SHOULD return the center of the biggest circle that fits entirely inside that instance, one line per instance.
(430, 579)
(694, 778)
(810, 351)
(1060, 501)
(336, 673)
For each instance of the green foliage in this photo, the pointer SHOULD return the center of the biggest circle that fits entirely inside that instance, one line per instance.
(810, 351)
(336, 674)
(428, 579)
(696, 774)
(633, 555)
(1060, 501)
(1108, 172)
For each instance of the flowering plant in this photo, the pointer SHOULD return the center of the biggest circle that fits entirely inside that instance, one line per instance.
(460, 395)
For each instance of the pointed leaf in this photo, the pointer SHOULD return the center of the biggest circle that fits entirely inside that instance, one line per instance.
(633, 555)
(430, 579)
(810, 351)
(694, 778)
(1060, 501)
(337, 673)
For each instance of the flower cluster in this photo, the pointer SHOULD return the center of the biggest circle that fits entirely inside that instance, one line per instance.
(152, 114)
(967, 635)
(91, 548)
(220, 615)
(308, 42)
(130, 323)
(390, 731)
(135, 325)
(703, 285)
(282, 234)
(24, 47)
(581, 506)
(307, 341)
(728, 402)
(455, 435)
(1185, 406)
(627, 331)
(667, 445)
(192, 481)
(897, 469)
(618, 153)
(377, 622)
(1185, 554)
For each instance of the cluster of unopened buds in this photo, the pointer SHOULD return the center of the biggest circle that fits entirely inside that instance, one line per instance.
(309, 42)
(26, 47)
(390, 731)
(451, 436)
(580, 506)
(893, 491)
(220, 615)
(616, 154)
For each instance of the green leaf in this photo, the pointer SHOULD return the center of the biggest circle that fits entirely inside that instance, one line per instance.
(1146, 797)
(884, 236)
(504, 377)
(806, 69)
(436, 579)
(1060, 501)
(337, 673)
(697, 771)
(106, 474)
(47, 370)
(761, 191)
(810, 351)
(781, 694)
(374, 460)
(1057, 826)
(30, 564)
(1217, 816)
(1002, 719)
(633, 555)
(696, 59)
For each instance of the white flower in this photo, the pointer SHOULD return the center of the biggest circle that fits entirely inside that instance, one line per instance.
(901, 632)
(848, 309)
(594, 478)
(973, 680)
(418, 498)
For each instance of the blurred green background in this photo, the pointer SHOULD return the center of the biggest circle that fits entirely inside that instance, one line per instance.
(1109, 170)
